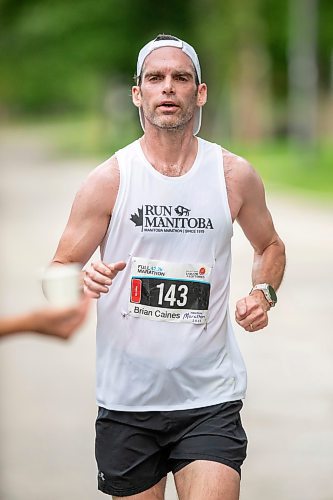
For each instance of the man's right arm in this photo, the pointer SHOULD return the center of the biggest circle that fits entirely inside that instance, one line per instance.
(87, 225)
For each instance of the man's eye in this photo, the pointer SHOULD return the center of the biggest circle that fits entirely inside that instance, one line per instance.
(154, 78)
(182, 78)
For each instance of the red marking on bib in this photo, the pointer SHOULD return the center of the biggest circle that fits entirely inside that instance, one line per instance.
(136, 290)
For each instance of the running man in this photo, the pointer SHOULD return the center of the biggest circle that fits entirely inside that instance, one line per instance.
(170, 376)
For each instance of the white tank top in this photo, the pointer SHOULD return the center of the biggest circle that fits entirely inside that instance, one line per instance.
(164, 335)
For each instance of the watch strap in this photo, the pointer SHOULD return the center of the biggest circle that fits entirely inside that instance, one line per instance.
(268, 291)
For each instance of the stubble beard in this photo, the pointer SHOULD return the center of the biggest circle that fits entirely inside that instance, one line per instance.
(171, 122)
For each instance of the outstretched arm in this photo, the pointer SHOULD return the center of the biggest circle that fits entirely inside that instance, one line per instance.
(60, 323)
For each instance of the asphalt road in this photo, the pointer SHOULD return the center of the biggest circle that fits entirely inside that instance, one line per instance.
(47, 386)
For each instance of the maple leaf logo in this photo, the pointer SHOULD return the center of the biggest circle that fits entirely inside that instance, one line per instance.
(137, 218)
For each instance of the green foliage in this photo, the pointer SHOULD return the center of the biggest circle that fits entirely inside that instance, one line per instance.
(325, 43)
(60, 57)
(57, 55)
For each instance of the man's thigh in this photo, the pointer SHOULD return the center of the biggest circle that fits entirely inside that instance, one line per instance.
(154, 493)
(207, 480)
(215, 434)
(130, 462)
(135, 451)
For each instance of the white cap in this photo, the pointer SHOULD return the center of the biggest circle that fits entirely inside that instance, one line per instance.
(189, 51)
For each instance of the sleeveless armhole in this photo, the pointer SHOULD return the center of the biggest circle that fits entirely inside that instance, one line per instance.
(223, 183)
(119, 198)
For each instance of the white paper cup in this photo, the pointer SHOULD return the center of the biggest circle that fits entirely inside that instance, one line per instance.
(61, 284)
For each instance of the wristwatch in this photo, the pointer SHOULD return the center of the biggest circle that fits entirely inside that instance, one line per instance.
(268, 291)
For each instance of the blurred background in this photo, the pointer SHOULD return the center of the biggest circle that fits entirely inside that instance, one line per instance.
(66, 70)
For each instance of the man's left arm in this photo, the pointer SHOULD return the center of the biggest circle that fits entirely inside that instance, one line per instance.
(269, 252)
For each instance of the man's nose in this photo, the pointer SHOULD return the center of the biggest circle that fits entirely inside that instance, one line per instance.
(168, 85)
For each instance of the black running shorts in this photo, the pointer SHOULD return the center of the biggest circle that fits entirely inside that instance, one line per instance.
(135, 450)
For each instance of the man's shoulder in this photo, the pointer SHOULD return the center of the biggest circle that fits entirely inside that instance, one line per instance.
(107, 173)
(240, 176)
(230, 160)
(102, 182)
(105, 170)
(233, 160)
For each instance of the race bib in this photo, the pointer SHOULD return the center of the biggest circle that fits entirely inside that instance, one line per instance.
(168, 291)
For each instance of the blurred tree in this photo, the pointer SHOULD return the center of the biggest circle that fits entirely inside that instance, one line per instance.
(275, 15)
(65, 53)
(325, 70)
(59, 56)
(233, 40)
(302, 70)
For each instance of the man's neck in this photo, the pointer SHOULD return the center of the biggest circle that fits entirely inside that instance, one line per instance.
(170, 152)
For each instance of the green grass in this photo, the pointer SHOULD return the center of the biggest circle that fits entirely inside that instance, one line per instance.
(292, 167)
(282, 166)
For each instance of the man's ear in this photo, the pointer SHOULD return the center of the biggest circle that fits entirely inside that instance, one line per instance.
(202, 94)
(136, 96)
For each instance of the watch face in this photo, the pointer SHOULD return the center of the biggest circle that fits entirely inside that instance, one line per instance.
(272, 293)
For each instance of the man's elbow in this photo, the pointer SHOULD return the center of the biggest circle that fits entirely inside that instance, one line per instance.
(281, 247)
(275, 245)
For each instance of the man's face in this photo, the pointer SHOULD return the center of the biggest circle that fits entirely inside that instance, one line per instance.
(168, 93)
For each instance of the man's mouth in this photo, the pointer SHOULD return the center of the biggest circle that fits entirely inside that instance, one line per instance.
(168, 106)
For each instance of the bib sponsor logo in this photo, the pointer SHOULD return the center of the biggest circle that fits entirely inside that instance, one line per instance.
(196, 274)
(169, 219)
(155, 270)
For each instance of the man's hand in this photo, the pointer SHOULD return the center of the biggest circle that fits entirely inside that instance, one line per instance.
(98, 277)
(251, 312)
